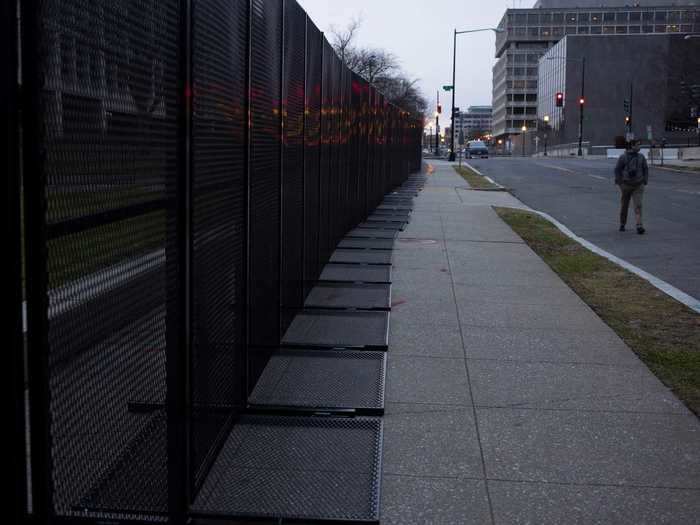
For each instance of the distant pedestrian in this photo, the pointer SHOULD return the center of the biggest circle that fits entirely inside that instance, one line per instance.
(632, 175)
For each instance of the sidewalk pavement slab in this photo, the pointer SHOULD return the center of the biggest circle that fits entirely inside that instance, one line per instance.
(508, 399)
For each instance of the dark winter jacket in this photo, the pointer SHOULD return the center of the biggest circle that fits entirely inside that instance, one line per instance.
(632, 169)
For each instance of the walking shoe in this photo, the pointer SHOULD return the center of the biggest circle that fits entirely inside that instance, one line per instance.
(640, 230)
(622, 227)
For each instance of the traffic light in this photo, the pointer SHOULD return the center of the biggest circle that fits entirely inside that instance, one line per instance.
(439, 108)
(559, 99)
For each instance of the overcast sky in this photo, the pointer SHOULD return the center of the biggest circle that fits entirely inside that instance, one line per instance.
(419, 33)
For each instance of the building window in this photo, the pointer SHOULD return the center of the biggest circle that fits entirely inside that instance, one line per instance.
(557, 31)
(584, 30)
(660, 29)
(635, 29)
(595, 30)
(608, 30)
(571, 18)
(608, 17)
(533, 19)
(546, 18)
(520, 19)
(583, 18)
(648, 16)
(621, 17)
(620, 30)
(647, 29)
(519, 31)
(596, 18)
(686, 28)
(558, 18)
(635, 16)
(546, 31)
(570, 30)
(672, 28)
(660, 16)
(533, 31)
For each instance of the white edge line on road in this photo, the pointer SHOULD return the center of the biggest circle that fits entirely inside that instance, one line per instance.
(668, 289)
(485, 176)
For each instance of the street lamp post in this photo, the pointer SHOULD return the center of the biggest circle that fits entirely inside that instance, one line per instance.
(524, 130)
(546, 130)
(582, 99)
(454, 71)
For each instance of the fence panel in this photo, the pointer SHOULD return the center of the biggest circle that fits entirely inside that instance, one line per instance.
(218, 203)
(103, 83)
(293, 161)
(312, 147)
(265, 171)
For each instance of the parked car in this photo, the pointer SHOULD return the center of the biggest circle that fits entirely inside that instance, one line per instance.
(476, 149)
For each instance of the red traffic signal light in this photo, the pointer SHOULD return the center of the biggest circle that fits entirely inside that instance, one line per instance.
(559, 99)
(582, 101)
(439, 108)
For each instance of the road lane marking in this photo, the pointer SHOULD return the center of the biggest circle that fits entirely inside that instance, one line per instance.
(596, 176)
(560, 168)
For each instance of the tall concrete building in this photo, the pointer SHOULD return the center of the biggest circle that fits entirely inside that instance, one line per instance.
(529, 33)
(664, 88)
(476, 120)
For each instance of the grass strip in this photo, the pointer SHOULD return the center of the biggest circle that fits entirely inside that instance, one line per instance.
(476, 181)
(664, 333)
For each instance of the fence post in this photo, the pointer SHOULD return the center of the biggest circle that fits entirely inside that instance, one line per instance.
(179, 318)
(34, 178)
(12, 323)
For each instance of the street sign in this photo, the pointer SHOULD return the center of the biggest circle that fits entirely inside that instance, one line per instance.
(447, 88)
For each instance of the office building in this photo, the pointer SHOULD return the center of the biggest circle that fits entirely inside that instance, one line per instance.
(529, 33)
(475, 122)
(658, 73)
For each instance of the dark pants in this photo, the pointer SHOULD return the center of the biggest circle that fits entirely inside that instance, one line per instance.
(631, 192)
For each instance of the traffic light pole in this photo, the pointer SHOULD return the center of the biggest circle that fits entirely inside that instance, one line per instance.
(581, 103)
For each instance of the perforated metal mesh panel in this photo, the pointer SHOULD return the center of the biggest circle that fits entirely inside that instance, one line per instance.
(106, 119)
(264, 175)
(322, 379)
(293, 83)
(339, 329)
(312, 146)
(350, 295)
(219, 126)
(368, 273)
(304, 468)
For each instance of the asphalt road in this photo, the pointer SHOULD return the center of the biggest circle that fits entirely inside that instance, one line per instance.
(580, 193)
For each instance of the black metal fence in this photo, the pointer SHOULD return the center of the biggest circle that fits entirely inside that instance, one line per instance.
(188, 169)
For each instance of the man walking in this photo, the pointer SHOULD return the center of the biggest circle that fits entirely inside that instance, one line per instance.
(632, 175)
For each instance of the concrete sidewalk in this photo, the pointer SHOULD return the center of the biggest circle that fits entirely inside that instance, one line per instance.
(508, 399)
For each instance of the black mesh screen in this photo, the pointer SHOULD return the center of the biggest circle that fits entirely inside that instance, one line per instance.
(293, 161)
(107, 114)
(165, 216)
(326, 152)
(219, 66)
(265, 150)
(312, 137)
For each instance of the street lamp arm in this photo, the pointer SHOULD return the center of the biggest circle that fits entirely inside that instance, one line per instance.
(494, 29)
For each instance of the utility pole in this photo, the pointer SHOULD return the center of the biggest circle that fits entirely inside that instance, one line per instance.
(582, 102)
(454, 71)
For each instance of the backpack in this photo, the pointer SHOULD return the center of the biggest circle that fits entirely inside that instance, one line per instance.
(632, 172)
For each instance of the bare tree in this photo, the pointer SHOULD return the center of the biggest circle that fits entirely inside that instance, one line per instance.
(378, 67)
(342, 39)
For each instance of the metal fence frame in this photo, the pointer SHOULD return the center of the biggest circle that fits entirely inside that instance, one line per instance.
(336, 155)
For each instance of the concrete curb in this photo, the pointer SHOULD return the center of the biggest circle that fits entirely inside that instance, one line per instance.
(668, 289)
(498, 186)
